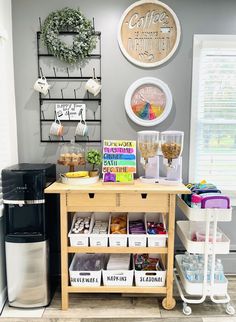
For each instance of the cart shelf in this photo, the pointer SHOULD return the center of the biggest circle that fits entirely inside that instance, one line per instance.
(193, 288)
(118, 250)
(183, 228)
(117, 289)
(196, 214)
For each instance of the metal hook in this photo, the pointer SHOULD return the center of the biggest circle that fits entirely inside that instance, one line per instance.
(54, 70)
(41, 71)
(94, 73)
(68, 71)
(40, 24)
(93, 24)
(81, 113)
(43, 116)
(62, 94)
(81, 74)
(49, 93)
(49, 138)
(75, 92)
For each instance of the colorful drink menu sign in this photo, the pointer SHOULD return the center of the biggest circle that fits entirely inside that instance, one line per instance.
(119, 160)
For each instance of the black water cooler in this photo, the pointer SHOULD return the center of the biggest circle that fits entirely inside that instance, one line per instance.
(28, 211)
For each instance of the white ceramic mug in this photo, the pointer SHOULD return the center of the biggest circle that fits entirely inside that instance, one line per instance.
(93, 86)
(41, 85)
(56, 128)
(81, 129)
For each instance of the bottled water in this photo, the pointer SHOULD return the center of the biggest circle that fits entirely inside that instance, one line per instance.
(193, 267)
(219, 271)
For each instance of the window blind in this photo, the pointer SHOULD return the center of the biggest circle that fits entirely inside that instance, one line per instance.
(213, 137)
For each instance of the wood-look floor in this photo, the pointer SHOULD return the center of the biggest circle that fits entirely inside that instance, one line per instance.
(118, 308)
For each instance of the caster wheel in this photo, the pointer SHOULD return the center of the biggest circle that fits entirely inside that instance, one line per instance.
(230, 309)
(170, 306)
(187, 309)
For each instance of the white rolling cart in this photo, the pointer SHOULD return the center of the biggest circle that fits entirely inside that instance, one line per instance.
(217, 291)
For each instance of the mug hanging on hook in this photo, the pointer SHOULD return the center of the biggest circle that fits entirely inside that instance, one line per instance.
(81, 128)
(56, 128)
(93, 86)
(41, 85)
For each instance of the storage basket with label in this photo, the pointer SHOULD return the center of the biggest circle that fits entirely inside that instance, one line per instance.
(118, 229)
(149, 270)
(137, 230)
(119, 271)
(86, 269)
(156, 230)
(99, 232)
(80, 229)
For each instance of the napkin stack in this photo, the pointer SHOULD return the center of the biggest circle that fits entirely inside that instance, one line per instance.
(118, 262)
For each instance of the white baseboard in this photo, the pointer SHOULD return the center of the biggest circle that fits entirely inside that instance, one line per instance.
(3, 297)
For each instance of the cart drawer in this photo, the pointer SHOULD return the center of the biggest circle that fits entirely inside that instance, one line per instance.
(91, 201)
(144, 202)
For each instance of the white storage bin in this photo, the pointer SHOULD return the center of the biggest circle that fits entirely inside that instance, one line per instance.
(80, 239)
(118, 240)
(194, 288)
(119, 277)
(150, 278)
(196, 214)
(99, 239)
(156, 240)
(85, 278)
(195, 247)
(137, 240)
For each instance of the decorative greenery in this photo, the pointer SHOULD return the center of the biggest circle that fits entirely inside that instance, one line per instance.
(94, 157)
(72, 20)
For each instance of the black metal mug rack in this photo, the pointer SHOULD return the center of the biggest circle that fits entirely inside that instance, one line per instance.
(67, 77)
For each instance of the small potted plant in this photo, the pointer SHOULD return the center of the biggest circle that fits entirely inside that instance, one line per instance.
(94, 157)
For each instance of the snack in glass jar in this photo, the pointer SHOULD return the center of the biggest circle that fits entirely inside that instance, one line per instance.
(171, 150)
(148, 149)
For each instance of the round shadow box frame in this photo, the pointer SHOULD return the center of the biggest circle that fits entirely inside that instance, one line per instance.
(148, 81)
(123, 48)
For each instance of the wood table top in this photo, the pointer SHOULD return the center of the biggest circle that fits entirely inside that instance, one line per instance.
(100, 187)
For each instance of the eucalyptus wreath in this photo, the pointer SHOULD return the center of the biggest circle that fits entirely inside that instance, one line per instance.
(72, 20)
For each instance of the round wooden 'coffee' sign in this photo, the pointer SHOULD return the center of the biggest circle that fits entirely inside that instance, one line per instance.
(149, 33)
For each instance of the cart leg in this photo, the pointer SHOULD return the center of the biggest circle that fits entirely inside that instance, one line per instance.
(187, 309)
(230, 309)
(64, 254)
(64, 300)
(169, 302)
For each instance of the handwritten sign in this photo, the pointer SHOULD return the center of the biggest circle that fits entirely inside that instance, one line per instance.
(68, 111)
(149, 33)
(119, 160)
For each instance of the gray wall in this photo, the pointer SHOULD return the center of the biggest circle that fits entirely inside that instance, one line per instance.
(196, 17)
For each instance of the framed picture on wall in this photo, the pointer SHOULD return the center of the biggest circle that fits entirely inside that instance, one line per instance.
(148, 33)
(71, 111)
(148, 101)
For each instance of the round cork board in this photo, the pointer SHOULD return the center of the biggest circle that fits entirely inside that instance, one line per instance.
(149, 33)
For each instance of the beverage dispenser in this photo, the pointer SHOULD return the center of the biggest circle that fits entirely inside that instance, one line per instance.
(28, 214)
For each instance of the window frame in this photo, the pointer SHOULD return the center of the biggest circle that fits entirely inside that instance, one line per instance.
(202, 41)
